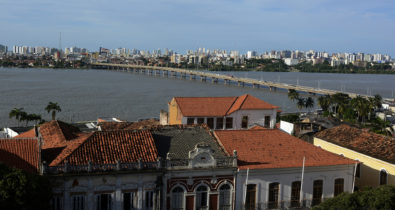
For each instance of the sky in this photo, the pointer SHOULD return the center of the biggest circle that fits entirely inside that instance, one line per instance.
(326, 25)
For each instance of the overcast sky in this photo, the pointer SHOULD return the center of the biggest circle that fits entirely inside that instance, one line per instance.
(261, 25)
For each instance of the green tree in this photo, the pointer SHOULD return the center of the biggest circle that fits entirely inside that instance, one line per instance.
(309, 103)
(21, 190)
(301, 103)
(293, 94)
(53, 107)
(18, 114)
(324, 102)
(382, 197)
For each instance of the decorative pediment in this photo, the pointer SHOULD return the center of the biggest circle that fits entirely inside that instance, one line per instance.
(201, 156)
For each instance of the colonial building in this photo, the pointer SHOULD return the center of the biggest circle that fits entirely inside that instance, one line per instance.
(200, 174)
(170, 167)
(277, 170)
(222, 113)
(375, 153)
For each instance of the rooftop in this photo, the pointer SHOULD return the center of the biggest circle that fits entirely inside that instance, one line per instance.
(272, 148)
(179, 140)
(20, 153)
(371, 144)
(219, 106)
(108, 147)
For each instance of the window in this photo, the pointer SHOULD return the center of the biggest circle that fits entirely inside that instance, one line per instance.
(130, 200)
(273, 195)
(317, 192)
(201, 198)
(295, 194)
(267, 122)
(339, 186)
(383, 177)
(104, 201)
(78, 202)
(229, 122)
(190, 121)
(200, 120)
(210, 122)
(149, 200)
(220, 123)
(177, 199)
(225, 197)
(244, 122)
(57, 202)
(250, 197)
(358, 171)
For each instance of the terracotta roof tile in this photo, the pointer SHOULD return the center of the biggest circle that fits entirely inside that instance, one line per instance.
(272, 148)
(219, 106)
(20, 153)
(57, 133)
(248, 102)
(106, 147)
(362, 141)
(108, 126)
(28, 134)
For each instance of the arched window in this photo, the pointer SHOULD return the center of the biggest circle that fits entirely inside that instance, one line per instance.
(202, 198)
(383, 177)
(339, 186)
(225, 199)
(273, 195)
(177, 199)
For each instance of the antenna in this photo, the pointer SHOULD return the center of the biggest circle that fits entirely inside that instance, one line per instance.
(60, 42)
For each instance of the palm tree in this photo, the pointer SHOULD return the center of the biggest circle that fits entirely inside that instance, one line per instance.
(34, 117)
(301, 103)
(324, 102)
(309, 103)
(17, 114)
(53, 107)
(377, 101)
(293, 94)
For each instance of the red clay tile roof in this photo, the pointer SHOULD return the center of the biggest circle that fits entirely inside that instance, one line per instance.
(20, 153)
(106, 147)
(219, 106)
(57, 133)
(28, 134)
(371, 144)
(272, 148)
(108, 126)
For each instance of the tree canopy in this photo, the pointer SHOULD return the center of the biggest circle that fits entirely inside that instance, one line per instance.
(382, 197)
(21, 190)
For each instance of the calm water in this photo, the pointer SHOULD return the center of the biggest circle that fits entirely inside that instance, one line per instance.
(88, 94)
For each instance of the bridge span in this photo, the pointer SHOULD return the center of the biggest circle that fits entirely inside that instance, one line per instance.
(216, 78)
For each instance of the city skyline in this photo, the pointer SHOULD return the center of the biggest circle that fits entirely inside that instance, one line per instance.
(331, 26)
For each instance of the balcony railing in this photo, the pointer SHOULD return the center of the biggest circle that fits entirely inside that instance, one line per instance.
(305, 204)
(140, 165)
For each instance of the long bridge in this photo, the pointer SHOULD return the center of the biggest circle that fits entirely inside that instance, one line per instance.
(216, 78)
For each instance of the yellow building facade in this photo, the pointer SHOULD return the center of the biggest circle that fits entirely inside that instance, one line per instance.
(175, 116)
(371, 170)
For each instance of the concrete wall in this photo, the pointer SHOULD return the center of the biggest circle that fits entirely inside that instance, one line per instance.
(370, 167)
(254, 117)
(287, 127)
(263, 177)
(175, 115)
(115, 184)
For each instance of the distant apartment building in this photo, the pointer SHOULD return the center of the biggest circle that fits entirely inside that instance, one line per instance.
(375, 153)
(240, 112)
(291, 61)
